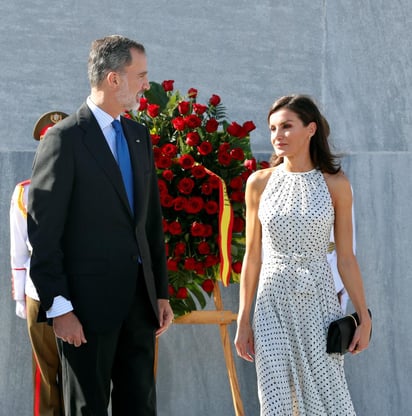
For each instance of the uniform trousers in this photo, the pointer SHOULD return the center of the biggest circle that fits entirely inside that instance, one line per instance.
(47, 398)
(117, 365)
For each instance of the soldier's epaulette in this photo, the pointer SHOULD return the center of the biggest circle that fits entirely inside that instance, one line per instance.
(24, 183)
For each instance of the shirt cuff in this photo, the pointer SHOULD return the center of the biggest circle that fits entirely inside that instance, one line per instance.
(59, 307)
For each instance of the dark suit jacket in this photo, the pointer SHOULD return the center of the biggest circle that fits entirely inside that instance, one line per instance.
(86, 242)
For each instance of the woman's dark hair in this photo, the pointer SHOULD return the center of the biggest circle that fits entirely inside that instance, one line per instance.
(307, 111)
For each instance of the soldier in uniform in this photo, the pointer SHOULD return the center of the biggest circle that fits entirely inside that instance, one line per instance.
(47, 398)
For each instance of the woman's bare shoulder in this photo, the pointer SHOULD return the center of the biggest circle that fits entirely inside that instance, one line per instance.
(338, 184)
(258, 180)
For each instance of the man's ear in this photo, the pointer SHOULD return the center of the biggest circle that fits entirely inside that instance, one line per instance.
(112, 79)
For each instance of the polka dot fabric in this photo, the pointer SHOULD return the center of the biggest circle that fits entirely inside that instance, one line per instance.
(296, 301)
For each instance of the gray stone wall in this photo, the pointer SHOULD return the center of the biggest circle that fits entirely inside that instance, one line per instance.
(353, 57)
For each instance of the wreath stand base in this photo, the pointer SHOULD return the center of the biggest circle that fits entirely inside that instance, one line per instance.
(223, 319)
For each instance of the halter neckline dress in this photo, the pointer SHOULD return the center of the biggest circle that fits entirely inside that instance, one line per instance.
(296, 300)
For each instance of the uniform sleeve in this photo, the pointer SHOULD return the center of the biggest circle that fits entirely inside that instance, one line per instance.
(19, 249)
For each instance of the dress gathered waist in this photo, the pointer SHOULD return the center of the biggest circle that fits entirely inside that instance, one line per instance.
(300, 258)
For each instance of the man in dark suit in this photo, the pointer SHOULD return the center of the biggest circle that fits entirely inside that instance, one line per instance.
(98, 261)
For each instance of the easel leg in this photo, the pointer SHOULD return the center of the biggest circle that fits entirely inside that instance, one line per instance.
(227, 350)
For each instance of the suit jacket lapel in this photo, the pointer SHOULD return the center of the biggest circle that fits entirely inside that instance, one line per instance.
(95, 141)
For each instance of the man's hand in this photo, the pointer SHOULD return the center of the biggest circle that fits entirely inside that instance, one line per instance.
(69, 329)
(165, 316)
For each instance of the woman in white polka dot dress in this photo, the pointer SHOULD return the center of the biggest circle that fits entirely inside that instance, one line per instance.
(290, 211)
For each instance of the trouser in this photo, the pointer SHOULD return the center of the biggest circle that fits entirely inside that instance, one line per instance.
(47, 398)
(123, 357)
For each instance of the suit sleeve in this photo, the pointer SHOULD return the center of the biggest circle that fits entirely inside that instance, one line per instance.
(49, 195)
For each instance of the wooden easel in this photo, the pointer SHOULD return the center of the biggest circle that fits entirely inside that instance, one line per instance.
(223, 319)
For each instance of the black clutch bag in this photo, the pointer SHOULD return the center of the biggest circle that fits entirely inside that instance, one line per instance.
(341, 332)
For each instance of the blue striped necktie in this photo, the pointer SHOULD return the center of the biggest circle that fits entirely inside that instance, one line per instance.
(123, 160)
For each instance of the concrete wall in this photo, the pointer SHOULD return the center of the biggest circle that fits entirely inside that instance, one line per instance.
(353, 57)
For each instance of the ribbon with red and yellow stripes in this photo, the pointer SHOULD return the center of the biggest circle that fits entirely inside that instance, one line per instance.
(225, 231)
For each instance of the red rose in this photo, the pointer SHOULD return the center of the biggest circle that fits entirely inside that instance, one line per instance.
(143, 104)
(249, 126)
(238, 225)
(181, 293)
(163, 162)
(192, 93)
(171, 290)
(153, 110)
(237, 153)
(168, 85)
(193, 121)
(203, 248)
(194, 205)
(175, 228)
(224, 147)
(126, 114)
(211, 125)
(245, 174)
(190, 263)
(236, 130)
(192, 138)
(169, 149)
(183, 107)
(180, 249)
(199, 108)
(168, 174)
(207, 230)
(250, 164)
(198, 171)
(224, 159)
(236, 183)
(156, 152)
(185, 186)
(186, 161)
(200, 268)
(264, 164)
(179, 203)
(172, 265)
(162, 186)
(237, 267)
(211, 260)
(155, 139)
(214, 182)
(197, 229)
(205, 148)
(179, 123)
(208, 285)
(166, 200)
(214, 100)
(211, 207)
(206, 189)
(237, 196)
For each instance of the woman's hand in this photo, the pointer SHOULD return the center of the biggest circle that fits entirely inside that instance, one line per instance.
(361, 338)
(244, 341)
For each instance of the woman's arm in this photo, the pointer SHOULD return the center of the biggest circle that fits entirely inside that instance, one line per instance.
(251, 264)
(348, 267)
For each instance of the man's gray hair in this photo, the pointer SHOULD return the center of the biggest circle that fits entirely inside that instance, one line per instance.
(111, 53)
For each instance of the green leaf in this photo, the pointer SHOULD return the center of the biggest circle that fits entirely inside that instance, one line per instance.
(190, 303)
(157, 95)
(198, 293)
